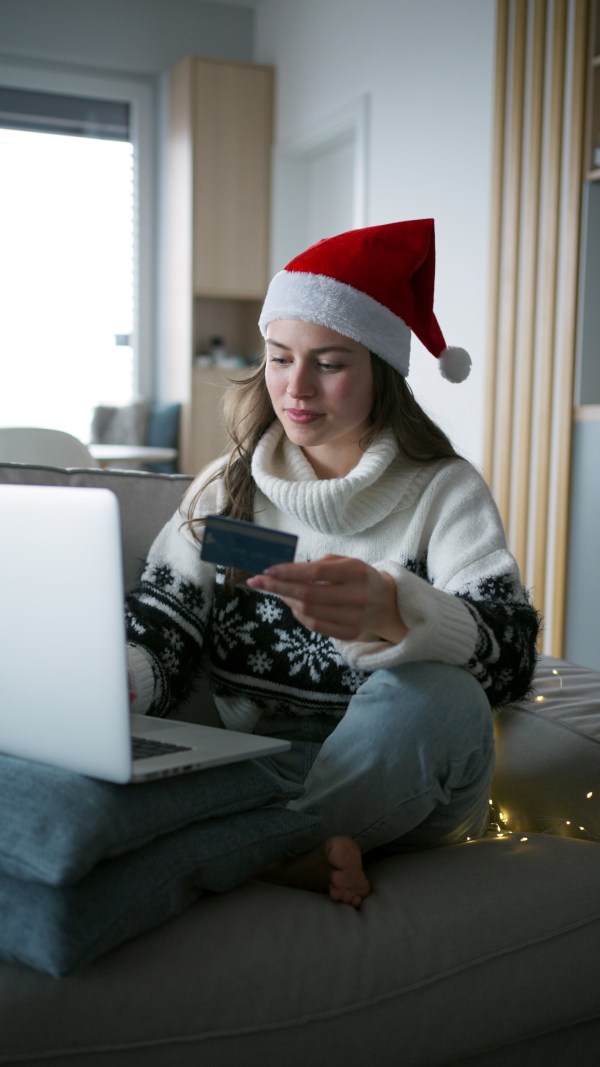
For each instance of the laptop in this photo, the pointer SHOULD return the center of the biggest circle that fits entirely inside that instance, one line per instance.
(64, 696)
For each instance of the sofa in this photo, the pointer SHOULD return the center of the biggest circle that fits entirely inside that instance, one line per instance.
(485, 954)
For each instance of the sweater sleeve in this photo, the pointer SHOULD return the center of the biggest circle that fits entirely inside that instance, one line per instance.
(166, 619)
(460, 594)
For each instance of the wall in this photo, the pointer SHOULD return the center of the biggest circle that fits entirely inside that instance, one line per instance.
(582, 644)
(137, 36)
(428, 66)
(140, 39)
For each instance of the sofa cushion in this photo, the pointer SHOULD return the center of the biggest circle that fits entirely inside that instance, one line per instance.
(547, 777)
(58, 929)
(457, 950)
(146, 502)
(56, 825)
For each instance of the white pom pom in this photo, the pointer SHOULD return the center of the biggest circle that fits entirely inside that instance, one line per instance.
(455, 364)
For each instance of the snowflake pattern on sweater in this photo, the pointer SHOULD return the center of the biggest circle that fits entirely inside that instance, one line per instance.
(255, 648)
(259, 654)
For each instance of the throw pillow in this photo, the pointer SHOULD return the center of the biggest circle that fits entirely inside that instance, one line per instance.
(59, 929)
(57, 825)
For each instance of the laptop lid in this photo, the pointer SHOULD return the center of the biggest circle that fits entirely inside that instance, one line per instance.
(63, 673)
(64, 696)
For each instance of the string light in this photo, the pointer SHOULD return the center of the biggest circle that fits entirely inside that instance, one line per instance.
(498, 821)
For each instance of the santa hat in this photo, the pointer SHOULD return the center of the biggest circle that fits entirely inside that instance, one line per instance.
(374, 285)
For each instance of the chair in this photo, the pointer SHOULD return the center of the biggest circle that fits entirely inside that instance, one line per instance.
(152, 424)
(52, 448)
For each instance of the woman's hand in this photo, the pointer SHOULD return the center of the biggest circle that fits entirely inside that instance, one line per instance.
(337, 596)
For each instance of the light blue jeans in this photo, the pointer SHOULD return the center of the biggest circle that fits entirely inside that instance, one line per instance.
(409, 766)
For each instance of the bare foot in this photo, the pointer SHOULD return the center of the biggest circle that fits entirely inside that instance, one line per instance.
(335, 867)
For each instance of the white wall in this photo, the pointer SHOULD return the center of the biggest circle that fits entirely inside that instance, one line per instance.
(137, 36)
(428, 66)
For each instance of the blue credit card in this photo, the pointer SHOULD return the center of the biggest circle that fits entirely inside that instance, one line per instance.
(245, 546)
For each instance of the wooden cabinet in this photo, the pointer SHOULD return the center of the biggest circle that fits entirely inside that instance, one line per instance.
(219, 157)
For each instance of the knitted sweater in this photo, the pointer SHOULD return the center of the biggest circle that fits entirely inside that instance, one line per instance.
(433, 527)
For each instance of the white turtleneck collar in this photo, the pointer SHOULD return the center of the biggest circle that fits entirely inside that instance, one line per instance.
(348, 505)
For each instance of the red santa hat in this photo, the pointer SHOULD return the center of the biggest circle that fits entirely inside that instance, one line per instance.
(374, 285)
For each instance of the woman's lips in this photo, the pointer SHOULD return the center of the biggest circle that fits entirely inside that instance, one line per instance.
(302, 417)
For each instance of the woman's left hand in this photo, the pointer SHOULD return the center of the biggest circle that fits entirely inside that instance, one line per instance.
(337, 596)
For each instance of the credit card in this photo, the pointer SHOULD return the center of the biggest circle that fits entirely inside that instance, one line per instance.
(245, 546)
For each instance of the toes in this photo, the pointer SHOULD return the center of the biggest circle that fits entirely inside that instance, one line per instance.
(337, 878)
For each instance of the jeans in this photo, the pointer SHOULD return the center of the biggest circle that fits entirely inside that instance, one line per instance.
(409, 766)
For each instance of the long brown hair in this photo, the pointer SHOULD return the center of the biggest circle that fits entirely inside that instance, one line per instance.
(248, 413)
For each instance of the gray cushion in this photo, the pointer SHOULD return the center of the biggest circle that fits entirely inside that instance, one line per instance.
(58, 929)
(457, 950)
(548, 755)
(120, 425)
(56, 825)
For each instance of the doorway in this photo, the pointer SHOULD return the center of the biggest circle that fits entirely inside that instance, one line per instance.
(320, 182)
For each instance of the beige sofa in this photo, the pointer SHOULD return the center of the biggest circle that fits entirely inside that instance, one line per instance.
(486, 953)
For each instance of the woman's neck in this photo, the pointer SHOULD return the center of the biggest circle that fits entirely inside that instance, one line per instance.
(333, 462)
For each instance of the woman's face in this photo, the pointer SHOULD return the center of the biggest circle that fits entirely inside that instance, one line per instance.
(321, 387)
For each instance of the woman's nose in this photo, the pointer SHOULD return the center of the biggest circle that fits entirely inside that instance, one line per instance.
(300, 381)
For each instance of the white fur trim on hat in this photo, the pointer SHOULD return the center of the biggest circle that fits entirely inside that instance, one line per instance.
(455, 364)
(327, 302)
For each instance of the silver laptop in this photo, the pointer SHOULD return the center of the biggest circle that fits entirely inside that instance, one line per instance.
(63, 677)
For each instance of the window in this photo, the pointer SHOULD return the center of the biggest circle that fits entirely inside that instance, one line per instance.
(73, 322)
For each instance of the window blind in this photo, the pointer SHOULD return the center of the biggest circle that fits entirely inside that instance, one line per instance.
(76, 116)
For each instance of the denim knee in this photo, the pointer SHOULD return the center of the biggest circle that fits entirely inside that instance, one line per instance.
(423, 700)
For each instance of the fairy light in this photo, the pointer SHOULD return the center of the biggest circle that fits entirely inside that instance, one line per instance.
(498, 822)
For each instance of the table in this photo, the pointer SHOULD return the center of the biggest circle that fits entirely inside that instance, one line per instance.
(106, 455)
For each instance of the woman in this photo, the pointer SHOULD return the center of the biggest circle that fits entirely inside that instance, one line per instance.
(381, 650)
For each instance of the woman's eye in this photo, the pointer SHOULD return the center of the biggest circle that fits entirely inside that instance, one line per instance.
(281, 360)
(331, 366)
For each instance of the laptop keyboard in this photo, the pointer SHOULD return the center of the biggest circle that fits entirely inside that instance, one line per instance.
(143, 747)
